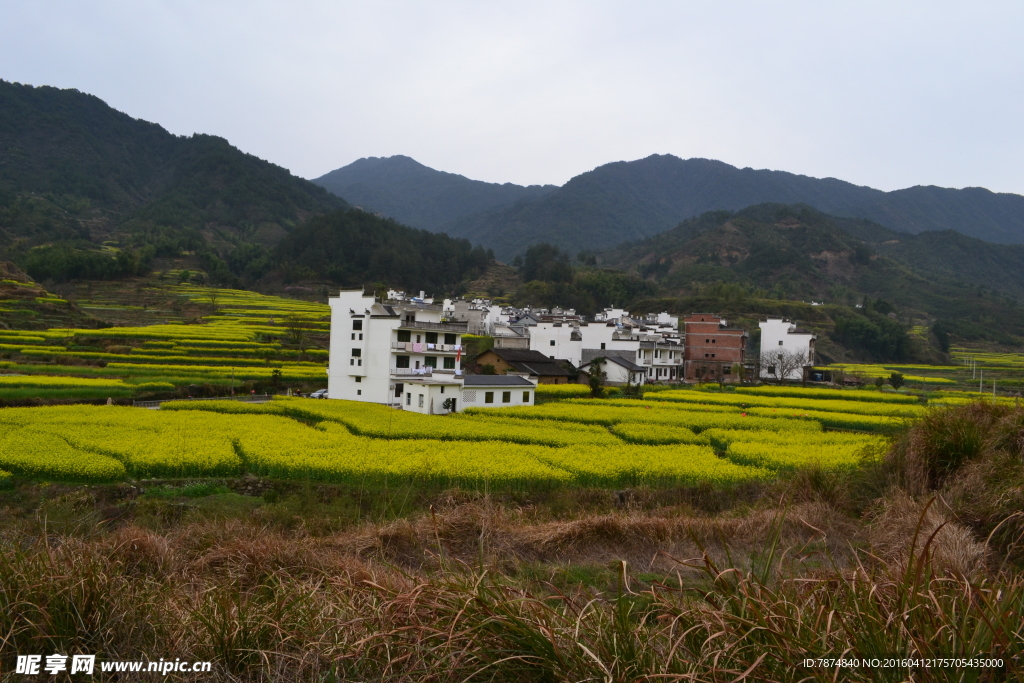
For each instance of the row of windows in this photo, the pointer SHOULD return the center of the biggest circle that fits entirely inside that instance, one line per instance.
(406, 336)
(428, 362)
(506, 396)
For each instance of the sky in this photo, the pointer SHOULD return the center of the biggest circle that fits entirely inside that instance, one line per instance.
(886, 94)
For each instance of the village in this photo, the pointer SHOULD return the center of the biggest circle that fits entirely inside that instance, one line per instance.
(408, 351)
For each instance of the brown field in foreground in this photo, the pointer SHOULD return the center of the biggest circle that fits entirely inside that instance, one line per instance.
(918, 556)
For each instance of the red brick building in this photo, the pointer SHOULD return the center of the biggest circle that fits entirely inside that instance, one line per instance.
(712, 352)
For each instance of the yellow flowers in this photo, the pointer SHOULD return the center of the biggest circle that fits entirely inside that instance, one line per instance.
(675, 437)
(746, 400)
(824, 394)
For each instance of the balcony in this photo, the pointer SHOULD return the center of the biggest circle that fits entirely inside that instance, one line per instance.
(409, 305)
(409, 347)
(412, 372)
(445, 327)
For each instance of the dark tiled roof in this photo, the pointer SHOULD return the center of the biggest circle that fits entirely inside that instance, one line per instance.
(545, 368)
(495, 381)
(624, 362)
(520, 355)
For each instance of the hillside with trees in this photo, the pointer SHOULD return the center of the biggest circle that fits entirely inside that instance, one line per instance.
(777, 259)
(102, 192)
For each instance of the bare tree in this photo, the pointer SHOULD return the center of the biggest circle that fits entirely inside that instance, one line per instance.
(781, 363)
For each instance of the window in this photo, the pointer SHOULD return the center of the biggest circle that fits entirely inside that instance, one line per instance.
(359, 392)
(431, 337)
(780, 342)
(360, 336)
(713, 341)
(526, 397)
(408, 399)
(506, 397)
(358, 379)
(401, 361)
(442, 390)
(727, 370)
(357, 324)
(707, 341)
(551, 343)
(356, 353)
(430, 361)
(712, 355)
(771, 369)
(419, 338)
(488, 397)
(359, 362)
(419, 403)
(449, 338)
(449, 363)
(403, 336)
(399, 388)
(602, 345)
(353, 336)
(469, 397)
(351, 361)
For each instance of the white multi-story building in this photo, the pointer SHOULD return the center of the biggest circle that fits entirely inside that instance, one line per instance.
(662, 357)
(376, 347)
(778, 336)
(559, 341)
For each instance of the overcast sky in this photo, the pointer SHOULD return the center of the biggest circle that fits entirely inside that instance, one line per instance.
(887, 94)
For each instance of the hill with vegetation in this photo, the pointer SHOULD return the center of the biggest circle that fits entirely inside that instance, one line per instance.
(355, 248)
(90, 193)
(102, 192)
(871, 283)
(414, 194)
(637, 199)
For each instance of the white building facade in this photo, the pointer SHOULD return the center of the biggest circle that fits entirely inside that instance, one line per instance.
(779, 335)
(376, 347)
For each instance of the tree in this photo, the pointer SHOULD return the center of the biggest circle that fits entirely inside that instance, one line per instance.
(896, 380)
(547, 263)
(781, 363)
(596, 377)
(879, 382)
(297, 333)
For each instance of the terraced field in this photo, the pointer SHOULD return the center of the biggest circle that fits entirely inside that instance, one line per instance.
(244, 337)
(611, 442)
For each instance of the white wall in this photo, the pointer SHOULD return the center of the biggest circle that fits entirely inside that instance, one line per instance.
(775, 335)
(474, 397)
(564, 348)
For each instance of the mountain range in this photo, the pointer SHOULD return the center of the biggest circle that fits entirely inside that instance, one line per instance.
(625, 201)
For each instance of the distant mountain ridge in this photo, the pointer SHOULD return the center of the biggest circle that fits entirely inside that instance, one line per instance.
(630, 200)
(417, 195)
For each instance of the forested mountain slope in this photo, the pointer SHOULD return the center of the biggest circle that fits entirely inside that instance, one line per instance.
(76, 174)
(797, 253)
